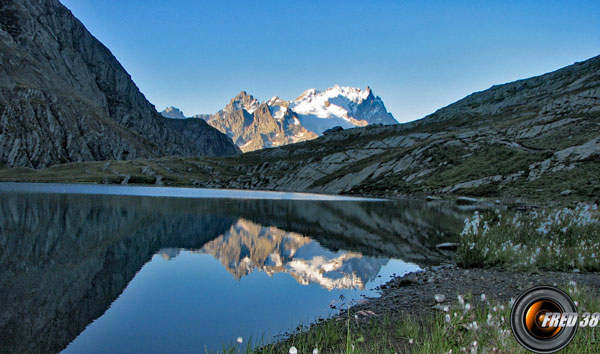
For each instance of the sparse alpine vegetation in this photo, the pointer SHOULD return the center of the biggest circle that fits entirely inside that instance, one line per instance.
(561, 239)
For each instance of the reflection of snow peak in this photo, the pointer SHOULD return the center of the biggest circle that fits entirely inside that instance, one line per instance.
(248, 246)
(327, 272)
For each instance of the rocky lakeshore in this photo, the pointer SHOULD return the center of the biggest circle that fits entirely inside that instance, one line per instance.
(415, 293)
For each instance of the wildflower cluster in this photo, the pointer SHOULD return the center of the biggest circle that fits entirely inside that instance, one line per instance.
(563, 239)
(476, 325)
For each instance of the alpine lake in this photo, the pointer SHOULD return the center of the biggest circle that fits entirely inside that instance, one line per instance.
(125, 269)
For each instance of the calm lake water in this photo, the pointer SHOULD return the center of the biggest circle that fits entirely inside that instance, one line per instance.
(111, 269)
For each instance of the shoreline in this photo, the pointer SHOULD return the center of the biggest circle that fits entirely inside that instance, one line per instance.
(411, 298)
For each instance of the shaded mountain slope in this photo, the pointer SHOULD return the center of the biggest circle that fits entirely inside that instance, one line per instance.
(64, 97)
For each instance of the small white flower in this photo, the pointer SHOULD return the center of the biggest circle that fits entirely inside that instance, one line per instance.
(411, 341)
(239, 339)
(448, 318)
(293, 350)
(473, 325)
(490, 321)
(483, 297)
(461, 300)
(467, 307)
(316, 351)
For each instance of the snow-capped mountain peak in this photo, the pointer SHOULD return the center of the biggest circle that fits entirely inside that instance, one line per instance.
(339, 105)
(252, 125)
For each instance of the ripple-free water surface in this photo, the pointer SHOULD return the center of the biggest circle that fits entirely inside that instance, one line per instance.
(97, 271)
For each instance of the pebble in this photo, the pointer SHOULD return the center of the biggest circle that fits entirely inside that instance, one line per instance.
(439, 298)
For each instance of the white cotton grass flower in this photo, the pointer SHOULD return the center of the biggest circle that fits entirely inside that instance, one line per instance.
(293, 350)
(473, 326)
(467, 307)
(490, 319)
(411, 341)
(474, 347)
(483, 297)
(239, 340)
(461, 300)
(448, 319)
(316, 351)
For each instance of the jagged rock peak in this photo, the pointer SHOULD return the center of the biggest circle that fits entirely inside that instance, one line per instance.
(243, 100)
(173, 112)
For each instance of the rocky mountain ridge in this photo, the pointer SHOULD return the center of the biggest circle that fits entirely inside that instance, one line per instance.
(253, 125)
(64, 97)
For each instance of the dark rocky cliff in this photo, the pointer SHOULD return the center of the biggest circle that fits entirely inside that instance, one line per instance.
(64, 97)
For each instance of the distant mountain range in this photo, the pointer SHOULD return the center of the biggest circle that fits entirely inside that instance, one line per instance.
(253, 125)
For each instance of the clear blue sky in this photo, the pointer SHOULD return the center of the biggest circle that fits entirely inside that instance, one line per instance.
(417, 55)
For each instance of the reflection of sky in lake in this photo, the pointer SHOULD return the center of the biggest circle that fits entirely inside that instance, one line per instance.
(171, 192)
(164, 274)
(191, 301)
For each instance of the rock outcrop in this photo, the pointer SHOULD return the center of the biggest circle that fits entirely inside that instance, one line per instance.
(64, 97)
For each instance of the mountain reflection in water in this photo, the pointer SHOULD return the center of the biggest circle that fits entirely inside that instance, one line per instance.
(70, 261)
(248, 246)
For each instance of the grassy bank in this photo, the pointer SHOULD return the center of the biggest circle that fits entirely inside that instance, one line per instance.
(563, 240)
(470, 325)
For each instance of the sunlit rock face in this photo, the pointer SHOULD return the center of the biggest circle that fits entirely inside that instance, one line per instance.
(253, 125)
